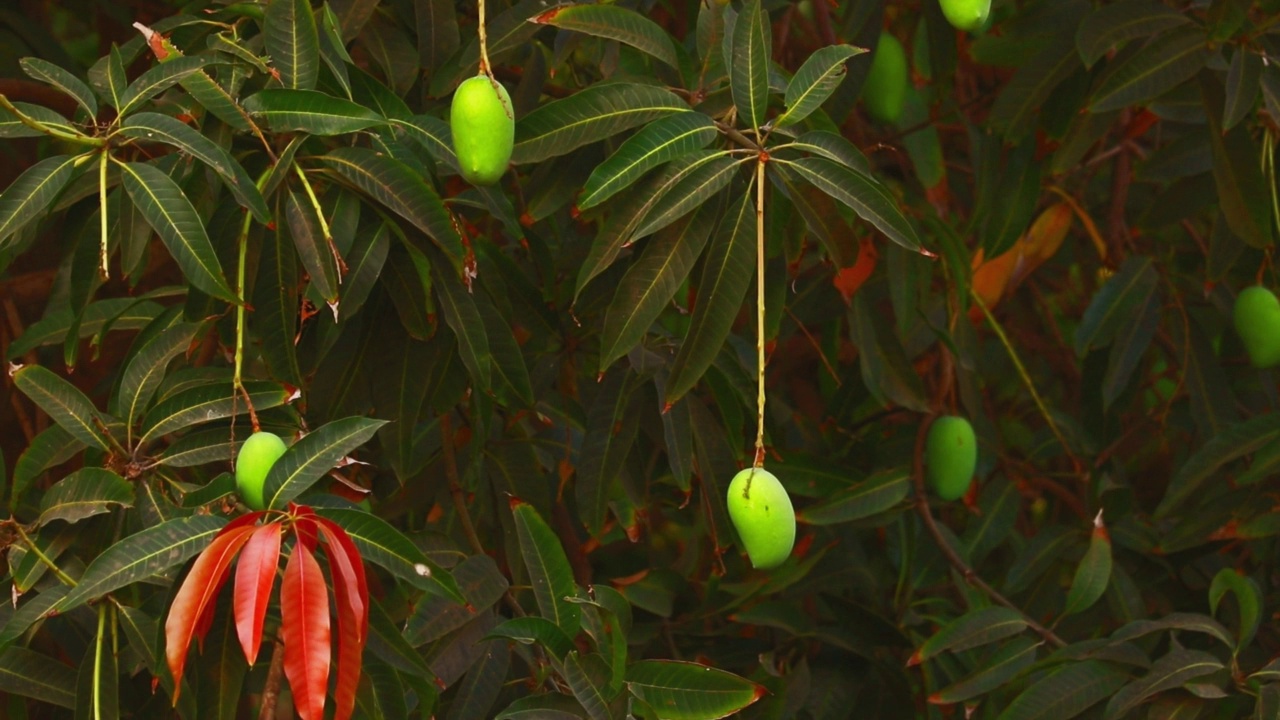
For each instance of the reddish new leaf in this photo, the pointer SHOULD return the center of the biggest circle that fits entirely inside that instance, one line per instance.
(195, 594)
(352, 596)
(305, 525)
(255, 576)
(304, 614)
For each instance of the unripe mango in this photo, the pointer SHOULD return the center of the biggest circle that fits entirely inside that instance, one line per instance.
(967, 15)
(885, 89)
(484, 129)
(951, 454)
(256, 457)
(761, 511)
(1257, 320)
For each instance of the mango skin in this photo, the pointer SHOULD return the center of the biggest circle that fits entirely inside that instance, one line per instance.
(256, 457)
(885, 89)
(1257, 320)
(967, 15)
(484, 129)
(761, 510)
(951, 454)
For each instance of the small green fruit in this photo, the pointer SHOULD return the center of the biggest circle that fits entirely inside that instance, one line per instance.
(805, 7)
(885, 89)
(952, 454)
(761, 511)
(256, 457)
(1257, 318)
(967, 15)
(484, 129)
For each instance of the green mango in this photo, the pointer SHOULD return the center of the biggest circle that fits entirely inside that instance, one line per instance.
(761, 511)
(1257, 320)
(885, 89)
(256, 457)
(951, 455)
(484, 129)
(967, 15)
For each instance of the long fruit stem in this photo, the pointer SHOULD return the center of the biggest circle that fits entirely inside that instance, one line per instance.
(759, 459)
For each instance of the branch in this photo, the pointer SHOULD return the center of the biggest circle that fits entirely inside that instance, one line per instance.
(271, 691)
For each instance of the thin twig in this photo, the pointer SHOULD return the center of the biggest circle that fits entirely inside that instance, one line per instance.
(760, 329)
(271, 690)
(970, 576)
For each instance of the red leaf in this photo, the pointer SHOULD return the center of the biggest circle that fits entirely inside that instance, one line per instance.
(352, 595)
(255, 576)
(304, 525)
(197, 590)
(304, 615)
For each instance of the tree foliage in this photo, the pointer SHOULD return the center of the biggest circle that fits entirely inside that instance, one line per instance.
(704, 255)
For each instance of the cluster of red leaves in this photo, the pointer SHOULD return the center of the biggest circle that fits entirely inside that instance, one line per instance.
(304, 603)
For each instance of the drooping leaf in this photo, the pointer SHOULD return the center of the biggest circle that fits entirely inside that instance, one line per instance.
(1067, 691)
(313, 246)
(1248, 597)
(578, 676)
(548, 568)
(304, 629)
(726, 275)
(84, 493)
(1236, 175)
(204, 403)
(863, 196)
(538, 630)
(154, 127)
(611, 430)
(351, 593)
(1006, 664)
(310, 111)
(380, 543)
(27, 673)
(1093, 574)
(1174, 669)
(974, 629)
(1234, 442)
(47, 72)
(1125, 294)
(255, 576)
(1111, 25)
(587, 116)
(876, 494)
(1242, 87)
(162, 77)
(614, 23)
(175, 220)
(1157, 68)
(34, 190)
(464, 319)
(293, 42)
(145, 371)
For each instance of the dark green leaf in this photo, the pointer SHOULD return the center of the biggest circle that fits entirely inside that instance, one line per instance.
(315, 249)
(312, 457)
(595, 113)
(1116, 23)
(1005, 665)
(380, 543)
(146, 369)
(203, 403)
(615, 23)
(1152, 71)
(1233, 442)
(1066, 692)
(1170, 671)
(689, 691)
(974, 629)
(1121, 298)
(751, 51)
(33, 192)
(293, 42)
(464, 319)
(535, 630)
(63, 402)
(29, 674)
(661, 140)
(47, 72)
(1093, 573)
(1249, 600)
(814, 82)
(84, 493)
(161, 78)
(310, 111)
(865, 197)
(548, 568)
(876, 494)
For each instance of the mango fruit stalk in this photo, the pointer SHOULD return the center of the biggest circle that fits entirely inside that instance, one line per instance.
(257, 455)
(484, 129)
(1257, 321)
(761, 511)
(951, 455)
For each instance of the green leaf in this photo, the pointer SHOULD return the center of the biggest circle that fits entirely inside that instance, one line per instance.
(1170, 671)
(433, 134)
(1093, 574)
(1123, 296)
(53, 446)
(30, 674)
(33, 192)
(315, 249)
(84, 493)
(293, 42)
(614, 23)
(1234, 442)
(1002, 667)
(831, 146)
(593, 114)
(310, 111)
(32, 610)
(664, 139)
(528, 630)
(143, 555)
(161, 78)
(726, 275)
(312, 457)
(751, 52)
(217, 101)
(462, 316)
(1017, 110)
(1167, 62)
(507, 361)
(652, 281)
(886, 369)
(382, 544)
(63, 402)
(578, 676)
(199, 448)
(862, 195)
(483, 682)
(1131, 341)
(977, 628)
(480, 585)
(47, 72)
(548, 568)
(692, 190)
(154, 127)
(12, 127)
(611, 428)
(402, 190)
(1066, 692)
(275, 303)
(690, 691)
(146, 369)
(203, 403)
(878, 493)
(1249, 600)
(1243, 80)
(1116, 23)
(814, 82)
(1189, 622)
(171, 214)
(1242, 192)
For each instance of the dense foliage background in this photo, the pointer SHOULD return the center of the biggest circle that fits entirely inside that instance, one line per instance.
(1048, 241)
